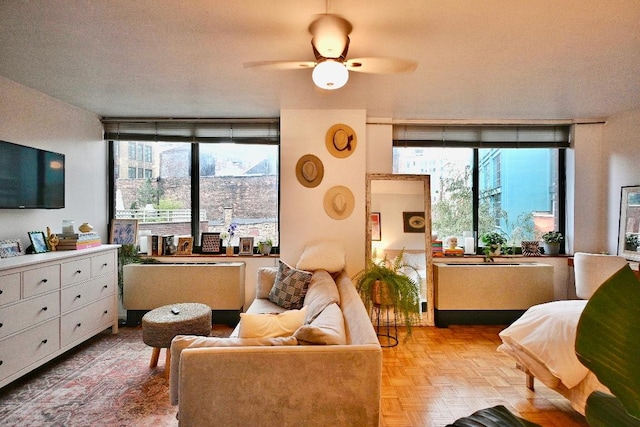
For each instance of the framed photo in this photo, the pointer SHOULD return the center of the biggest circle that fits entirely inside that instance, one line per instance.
(39, 242)
(246, 246)
(413, 222)
(124, 231)
(376, 227)
(629, 233)
(185, 246)
(210, 243)
(10, 248)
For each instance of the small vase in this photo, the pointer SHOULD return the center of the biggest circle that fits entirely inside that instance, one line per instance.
(229, 250)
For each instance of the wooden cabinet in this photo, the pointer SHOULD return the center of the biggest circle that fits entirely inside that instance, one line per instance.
(53, 301)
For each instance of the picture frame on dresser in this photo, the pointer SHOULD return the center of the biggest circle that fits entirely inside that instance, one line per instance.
(629, 231)
(38, 242)
(246, 246)
(124, 231)
(10, 248)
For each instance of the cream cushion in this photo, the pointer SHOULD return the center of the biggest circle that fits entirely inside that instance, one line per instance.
(326, 255)
(268, 325)
(322, 291)
(327, 328)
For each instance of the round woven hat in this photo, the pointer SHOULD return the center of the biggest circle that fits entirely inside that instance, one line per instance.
(339, 202)
(341, 140)
(309, 171)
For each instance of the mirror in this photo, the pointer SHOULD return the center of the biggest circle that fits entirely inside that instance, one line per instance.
(398, 209)
(629, 234)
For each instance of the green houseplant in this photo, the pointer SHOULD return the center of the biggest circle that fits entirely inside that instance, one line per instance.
(493, 242)
(264, 246)
(385, 283)
(551, 242)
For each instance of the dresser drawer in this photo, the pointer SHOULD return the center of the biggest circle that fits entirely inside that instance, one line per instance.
(75, 271)
(21, 350)
(9, 288)
(83, 322)
(40, 280)
(102, 264)
(15, 317)
(76, 296)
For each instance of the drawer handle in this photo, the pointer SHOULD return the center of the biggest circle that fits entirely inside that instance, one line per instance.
(1, 291)
(106, 312)
(78, 296)
(1, 362)
(44, 308)
(1, 324)
(78, 271)
(105, 264)
(43, 281)
(78, 324)
(105, 286)
(44, 341)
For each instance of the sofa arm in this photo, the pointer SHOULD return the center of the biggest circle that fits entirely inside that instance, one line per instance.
(302, 385)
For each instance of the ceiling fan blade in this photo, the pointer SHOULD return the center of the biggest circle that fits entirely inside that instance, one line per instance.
(330, 35)
(280, 65)
(381, 65)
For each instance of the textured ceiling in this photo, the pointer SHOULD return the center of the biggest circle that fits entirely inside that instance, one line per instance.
(477, 60)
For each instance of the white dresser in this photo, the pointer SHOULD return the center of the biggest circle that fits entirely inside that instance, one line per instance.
(52, 302)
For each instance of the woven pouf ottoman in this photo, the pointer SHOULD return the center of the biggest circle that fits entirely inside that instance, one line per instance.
(160, 325)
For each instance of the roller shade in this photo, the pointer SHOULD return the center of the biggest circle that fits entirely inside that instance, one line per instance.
(248, 131)
(534, 136)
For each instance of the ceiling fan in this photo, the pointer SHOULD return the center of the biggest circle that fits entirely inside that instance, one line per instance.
(330, 43)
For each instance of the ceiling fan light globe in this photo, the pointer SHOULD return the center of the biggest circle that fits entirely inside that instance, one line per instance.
(330, 75)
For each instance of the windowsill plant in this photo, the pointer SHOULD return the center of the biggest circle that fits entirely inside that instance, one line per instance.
(493, 242)
(551, 242)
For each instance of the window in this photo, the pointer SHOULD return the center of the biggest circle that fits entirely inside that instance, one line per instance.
(514, 186)
(226, 172)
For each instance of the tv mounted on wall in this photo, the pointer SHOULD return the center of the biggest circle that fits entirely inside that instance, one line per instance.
(30, 178)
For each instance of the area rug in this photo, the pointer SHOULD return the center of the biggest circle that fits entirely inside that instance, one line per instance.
(105, 381)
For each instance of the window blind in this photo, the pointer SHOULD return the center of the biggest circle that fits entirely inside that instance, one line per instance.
(512, 136)
(247, 131)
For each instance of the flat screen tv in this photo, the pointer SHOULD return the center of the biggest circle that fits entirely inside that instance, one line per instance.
(30, 178)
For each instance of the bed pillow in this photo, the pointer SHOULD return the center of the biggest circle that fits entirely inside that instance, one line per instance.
(254, 325)
(290, 287)
(326, 255)
(326, 329)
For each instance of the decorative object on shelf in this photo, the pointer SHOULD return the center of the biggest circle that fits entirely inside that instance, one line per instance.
(169, 246)
(493, 242)
(124, 231)
(629, 232)
(551, 242)
(185, 245)
(413, 222)
(530, 248)
(384, 283)
(309, 171)
(210, 243)
(68, 226)
(85, 227)
(341, 140)
(376, 227)
(229, 250)
(10, 248)
(469, 240)
(264, 246)
(38, 242)
(339, 202)
(246, 246)
(52, 240)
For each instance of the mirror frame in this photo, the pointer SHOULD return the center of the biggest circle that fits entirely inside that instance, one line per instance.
(626, 193)
(426, 180)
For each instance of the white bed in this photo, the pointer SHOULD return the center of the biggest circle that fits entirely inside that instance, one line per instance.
(542, 340)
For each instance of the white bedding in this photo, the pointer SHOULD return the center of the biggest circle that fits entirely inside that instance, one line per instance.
(547, 334)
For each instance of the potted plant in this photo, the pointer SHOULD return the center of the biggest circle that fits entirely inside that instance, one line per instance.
(264, 246)
(551, 242)
(385, 283)
(493, 242)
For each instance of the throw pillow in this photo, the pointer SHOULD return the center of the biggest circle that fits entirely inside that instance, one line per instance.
(322, 292)
(327, 255)
(327, 328)
(290, 287)
(269, 325)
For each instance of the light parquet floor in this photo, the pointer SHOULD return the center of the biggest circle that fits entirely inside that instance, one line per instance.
(441, 374)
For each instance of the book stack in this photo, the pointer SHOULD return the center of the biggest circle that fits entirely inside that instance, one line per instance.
(436, 248)
(73, 241)
(454, 252)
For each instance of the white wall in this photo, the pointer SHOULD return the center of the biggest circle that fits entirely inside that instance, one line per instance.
(28, 117)
(621, 160)
(302, 215)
